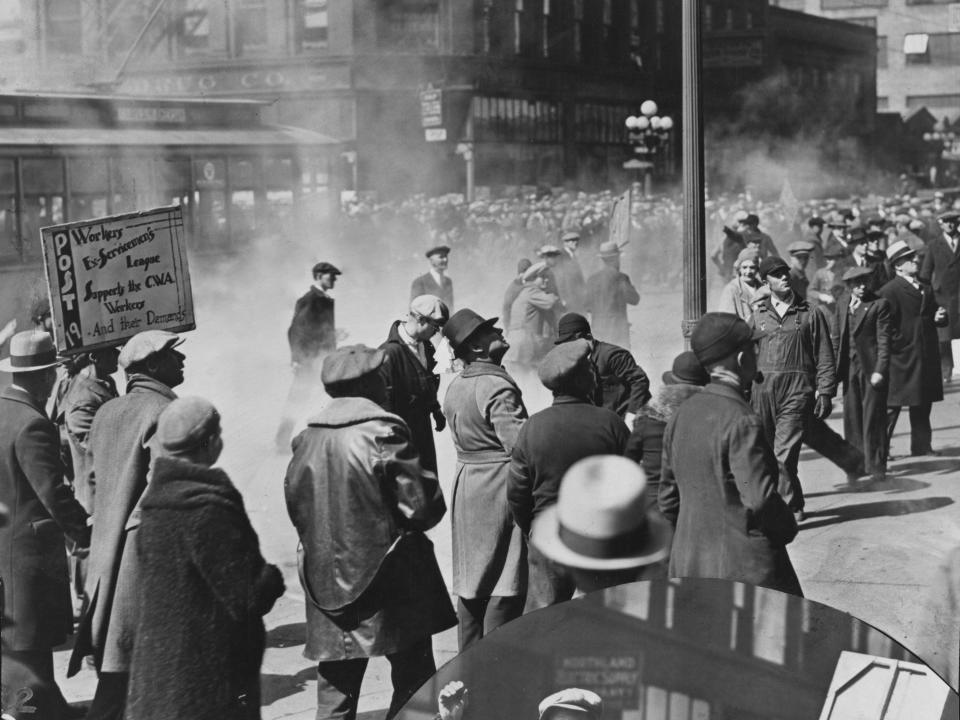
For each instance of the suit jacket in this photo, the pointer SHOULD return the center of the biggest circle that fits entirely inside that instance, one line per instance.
(624, 386)
(915, 359)
(33, 561)
(941, 268)
(718, 486)
(426, 285)
(412, 391)
(869, 330)
(570, 282)
(312, 330)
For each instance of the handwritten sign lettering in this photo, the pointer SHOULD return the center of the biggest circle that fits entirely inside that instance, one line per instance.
(113, 277)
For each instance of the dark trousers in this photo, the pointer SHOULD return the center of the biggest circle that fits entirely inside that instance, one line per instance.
(820, 437)
(339, 681)
(946, 358)
(480, 616)
(784, 403)
(921, 433)
(547, 582)
(29, 687)
(110, 699)
(865, 418)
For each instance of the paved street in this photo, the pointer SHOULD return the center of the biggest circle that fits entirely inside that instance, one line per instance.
(871, 553)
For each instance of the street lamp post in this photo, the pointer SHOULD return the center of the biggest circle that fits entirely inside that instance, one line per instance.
(647, 133)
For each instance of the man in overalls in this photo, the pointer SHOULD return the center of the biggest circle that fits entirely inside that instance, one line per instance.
(795, 357)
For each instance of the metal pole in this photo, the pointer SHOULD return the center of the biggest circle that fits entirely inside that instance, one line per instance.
(468, 155)
(694, 247)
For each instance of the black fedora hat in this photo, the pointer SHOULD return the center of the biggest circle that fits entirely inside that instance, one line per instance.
(464, 323)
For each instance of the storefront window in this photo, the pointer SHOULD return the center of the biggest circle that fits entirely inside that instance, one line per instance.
(9, 242)
(251, 24)
(132, 183)
(314, 24)
(243, 216)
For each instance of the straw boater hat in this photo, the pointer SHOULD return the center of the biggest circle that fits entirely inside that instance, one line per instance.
(600, 521)
(30, 351)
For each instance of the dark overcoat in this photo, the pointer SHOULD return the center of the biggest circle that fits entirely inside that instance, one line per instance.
(119, 457)
(312, 330)
(718, 486)
(199, 636)
(570, 283)
(33, 559)
(549, 443)
(426, 285)
(624, 386)
(941, 268)
(485, 412)
(609, 291)
(361, 501)
(915, 358)
(412, 391)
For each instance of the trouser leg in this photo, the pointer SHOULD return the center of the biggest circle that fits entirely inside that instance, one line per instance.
(921, 433)
(874, 428)
(338, 688)
(788, 437)
(853, 410)
(893, 414)
(409, 669)
(29, 687)
(547, 582)
(946, 358)
(821, 438)
(470, 614)
(110, 699)
(501, 610)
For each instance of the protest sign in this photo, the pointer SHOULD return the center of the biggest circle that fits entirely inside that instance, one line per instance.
(116, 276)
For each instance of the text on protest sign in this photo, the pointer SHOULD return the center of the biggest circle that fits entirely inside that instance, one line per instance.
(114, 277)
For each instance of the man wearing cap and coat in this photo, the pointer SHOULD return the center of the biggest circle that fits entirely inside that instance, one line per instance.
(718, 482)
(43, 514)
(407, 370)
(941, 268)
(435, 280)
(623, 385)
(863, 366)
(199, 637)
(119, 456)
(552, 440)
(361, 501)
(485, 412)
(915, 379)
(609, 291)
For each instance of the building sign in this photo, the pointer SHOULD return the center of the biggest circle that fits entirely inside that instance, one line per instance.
(431, 108)
(732, 52)
(615, 678)
(113, 277)
(152, 114)
(240, 81)
(435, 134)
(953, 17)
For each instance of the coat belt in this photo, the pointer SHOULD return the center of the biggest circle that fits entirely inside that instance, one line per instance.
(479, 457)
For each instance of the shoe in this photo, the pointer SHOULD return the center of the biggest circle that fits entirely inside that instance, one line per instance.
(878, 477)
(929, 452)
(799, 515)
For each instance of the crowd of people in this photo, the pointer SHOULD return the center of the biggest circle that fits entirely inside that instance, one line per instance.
(610, 483)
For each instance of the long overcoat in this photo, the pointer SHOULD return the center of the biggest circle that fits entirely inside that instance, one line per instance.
(485, 412)
(941, 268)
(120, 454)
(199, 636)
(915, 359)
(33, 560)
(531, 330)
(609, 291)
(361, 501)
(718, 486)
(312, 330)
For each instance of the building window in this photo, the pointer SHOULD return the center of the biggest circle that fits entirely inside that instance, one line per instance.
(192, 26)
(708, 16)
(660, 18)
(883, 103)
(944, 48)
(545, 30)
(748, 20)
(251, 24)
(728, 19)
(609, 42)
(517, 27)
(63, 27)
(314, 24)
(881, 51)
(578, 30)
(410, 27)
(916, 49)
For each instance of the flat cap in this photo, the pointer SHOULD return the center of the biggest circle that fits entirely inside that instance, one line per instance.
(144, 344)
(772, 264)
(949, 216)
(431, 308)
(740, 215)
(185, 423)
(800, 247)
(562, 362)
(571, 325)
(686, 370)
(857, 272)
(322, 268)
(350, 363)
(570, 235)
(534, 271)
(608, 249)
(548, 250)
(752, 220)
(718, 335)
(438, 250)
(584, 701)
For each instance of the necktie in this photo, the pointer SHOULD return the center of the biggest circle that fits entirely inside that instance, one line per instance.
(854, 304)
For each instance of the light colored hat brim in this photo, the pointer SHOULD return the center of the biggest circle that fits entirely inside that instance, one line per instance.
(545, 535)
(6, 367)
